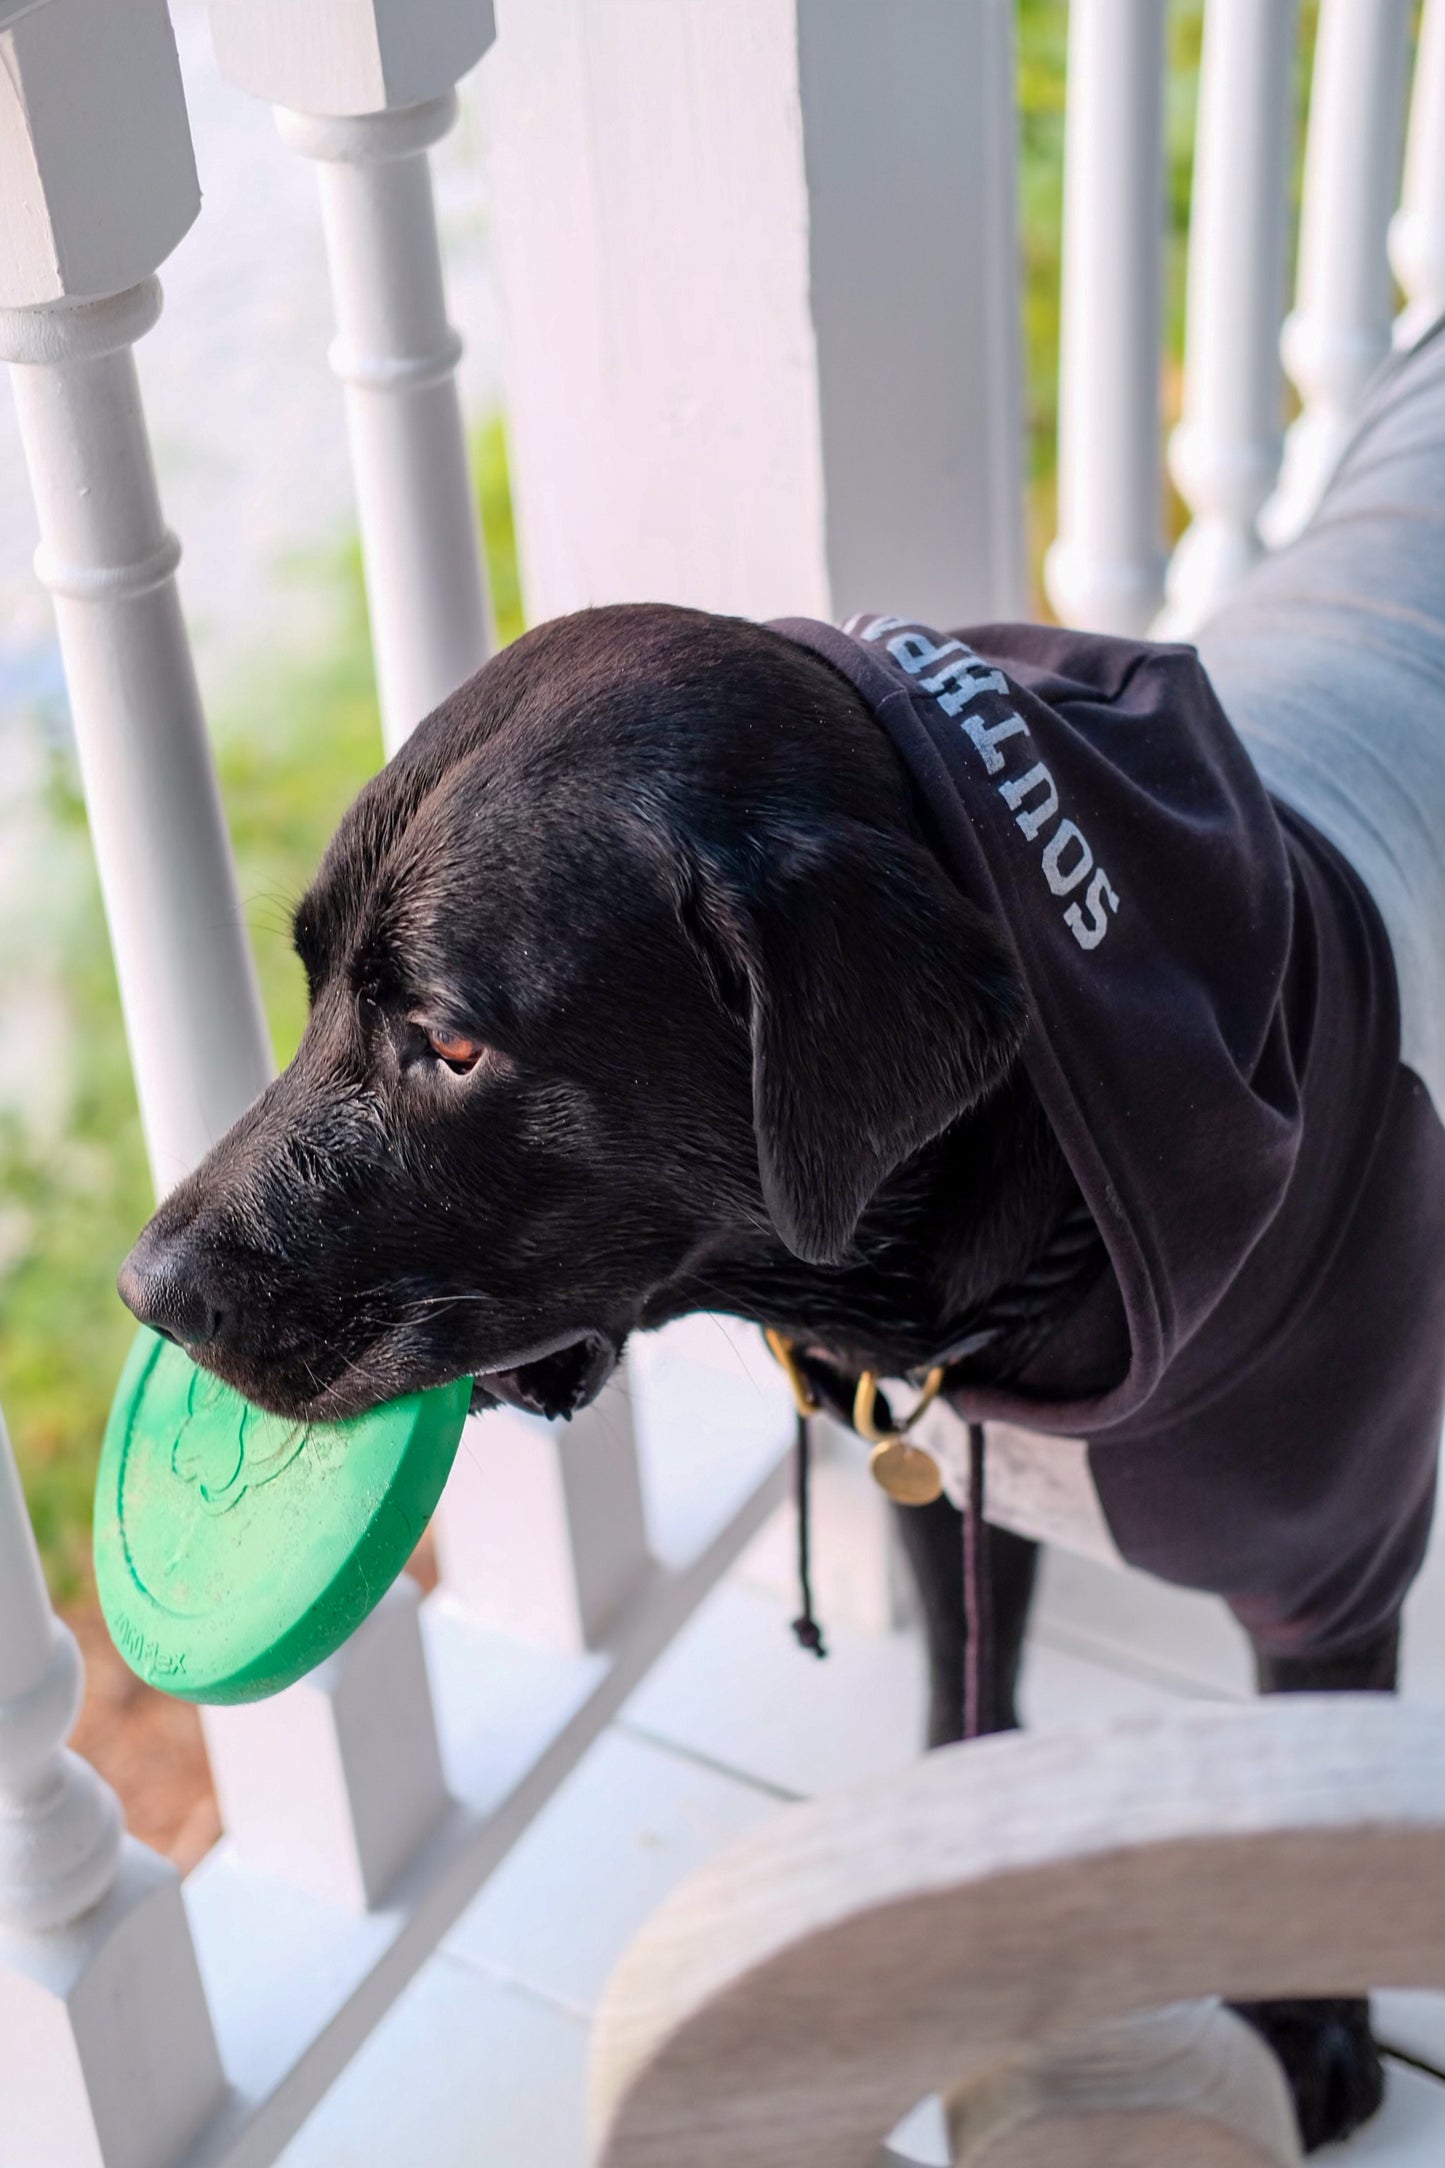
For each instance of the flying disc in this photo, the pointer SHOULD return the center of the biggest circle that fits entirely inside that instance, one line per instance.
(235, 1549)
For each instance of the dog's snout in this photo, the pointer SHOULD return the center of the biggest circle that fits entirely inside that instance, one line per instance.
(165, 1285)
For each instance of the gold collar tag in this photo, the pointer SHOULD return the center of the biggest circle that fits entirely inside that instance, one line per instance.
(909, 1475)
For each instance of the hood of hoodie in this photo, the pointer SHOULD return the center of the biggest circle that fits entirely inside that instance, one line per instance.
(1091, 795)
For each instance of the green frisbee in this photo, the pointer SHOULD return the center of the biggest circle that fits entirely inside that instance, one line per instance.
(234, 1550)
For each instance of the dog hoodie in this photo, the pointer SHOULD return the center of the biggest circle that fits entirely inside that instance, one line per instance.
(1215, 1040)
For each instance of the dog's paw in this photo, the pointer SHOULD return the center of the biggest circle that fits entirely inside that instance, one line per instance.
(1330, 2060)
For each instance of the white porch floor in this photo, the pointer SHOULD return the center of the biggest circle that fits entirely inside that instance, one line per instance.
(482, 2063)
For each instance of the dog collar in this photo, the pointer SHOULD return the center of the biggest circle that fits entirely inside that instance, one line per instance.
(901, 1467)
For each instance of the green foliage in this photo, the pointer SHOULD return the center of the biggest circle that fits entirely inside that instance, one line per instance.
(298, 737)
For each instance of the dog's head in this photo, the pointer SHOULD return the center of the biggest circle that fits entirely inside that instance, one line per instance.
(632, 957)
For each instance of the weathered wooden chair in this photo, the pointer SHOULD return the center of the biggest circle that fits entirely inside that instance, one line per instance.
(1027, 1927)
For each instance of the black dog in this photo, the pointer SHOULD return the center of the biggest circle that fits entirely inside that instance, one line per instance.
(639, 985)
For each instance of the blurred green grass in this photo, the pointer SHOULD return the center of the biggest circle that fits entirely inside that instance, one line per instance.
(296, 738)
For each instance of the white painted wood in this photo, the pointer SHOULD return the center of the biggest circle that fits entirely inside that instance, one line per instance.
(631, 1822)
(1066, 1689)
(59, 1825)
(1339, 330)
(1226, 452)
(97, 177)
(634, 1817)
(468, 2071)
(198, 1037)
(396, 356)
(1105, 568)
(1417, 231)
(337, 1782)
(1129, 1621)
(199, 1042)
(910, 157)
(738, 1692)
(859, 1571)
(296, 1984)
(193, 1013)
(1409, 2131)
(1189, 2084)
(364, 87)
(541, 1532)
(107, 2057)
(719, 231)
(349, 56)
(106, 2051)
(858, 1951)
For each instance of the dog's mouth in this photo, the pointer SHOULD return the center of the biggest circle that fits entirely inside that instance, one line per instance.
(553, 1384)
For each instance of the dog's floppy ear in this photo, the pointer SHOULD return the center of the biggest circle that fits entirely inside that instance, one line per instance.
(881, 1006)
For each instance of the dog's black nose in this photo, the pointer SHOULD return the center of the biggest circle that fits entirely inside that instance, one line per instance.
(162, 1283)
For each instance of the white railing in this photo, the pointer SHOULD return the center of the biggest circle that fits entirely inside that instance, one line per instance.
(1225, 453)
(760, 272)
(1339, 330)
(366, 97)
(1105, 567)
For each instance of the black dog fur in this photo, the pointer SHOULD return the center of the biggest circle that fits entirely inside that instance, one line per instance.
(743, 1046)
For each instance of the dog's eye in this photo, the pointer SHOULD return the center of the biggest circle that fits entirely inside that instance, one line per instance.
(458, 1054)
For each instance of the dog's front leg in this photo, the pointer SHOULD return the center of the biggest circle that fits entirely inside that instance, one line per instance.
(1326, 2046)
(933, 1540)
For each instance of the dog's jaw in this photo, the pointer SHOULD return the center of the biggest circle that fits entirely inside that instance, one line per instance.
(554, 1385)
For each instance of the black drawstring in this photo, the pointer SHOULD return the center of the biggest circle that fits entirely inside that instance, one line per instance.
(978, 1711)
(977, 1592)
(977, 1599)
(805, 1626)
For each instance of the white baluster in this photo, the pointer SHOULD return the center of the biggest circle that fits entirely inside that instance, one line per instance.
(366, 108)
(749, 366)
(107, 2058)
(366, 101)
(193, 1014)
(59, 1825)
(541, 1531)
(334, 1783)
(1417, 231)
(101, 117)
(1225, 454)
(1339, 330)
(1105, 570)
